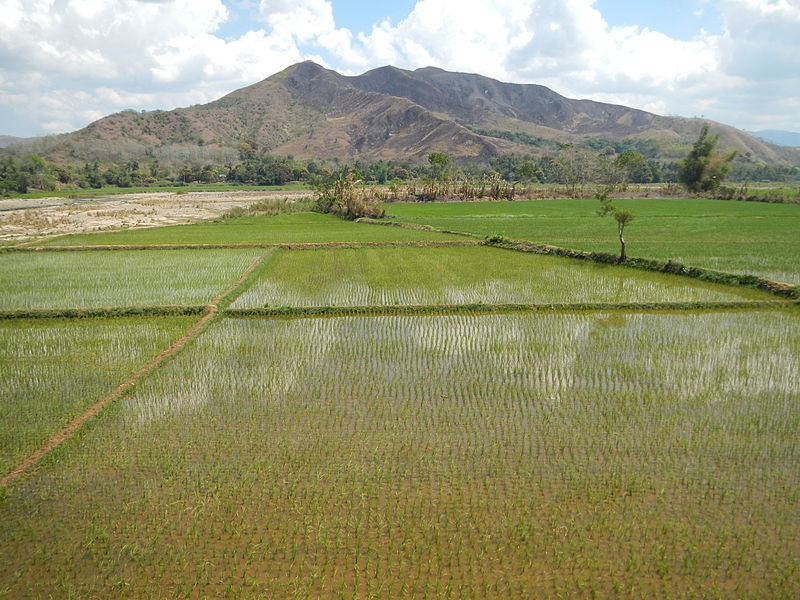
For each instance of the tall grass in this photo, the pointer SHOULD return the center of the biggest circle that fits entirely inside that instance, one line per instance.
(270, 207)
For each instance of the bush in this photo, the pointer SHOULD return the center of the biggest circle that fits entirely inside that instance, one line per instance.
(495, 239)
(337, 194)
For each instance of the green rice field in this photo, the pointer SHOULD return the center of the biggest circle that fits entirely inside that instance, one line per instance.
(54, 368)
(738, 237)
(463, 275)
(498, 456)
(99, 278)
(639, 442)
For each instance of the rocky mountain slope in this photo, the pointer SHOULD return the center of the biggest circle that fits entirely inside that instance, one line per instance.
(387, 113)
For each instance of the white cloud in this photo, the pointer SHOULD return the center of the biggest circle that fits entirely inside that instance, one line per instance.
(155, 54)
(568, 45)
(761, 39)
(65, 62)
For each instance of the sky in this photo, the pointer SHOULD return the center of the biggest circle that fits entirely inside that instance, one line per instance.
(66, 63)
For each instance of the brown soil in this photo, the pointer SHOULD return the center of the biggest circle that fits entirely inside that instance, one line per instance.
(59, 216)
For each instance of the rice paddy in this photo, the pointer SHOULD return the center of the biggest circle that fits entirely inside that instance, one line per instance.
(285, 228)
(738, 237)
(54, 368)
(468, 275)
(602, 452)
(98, 278)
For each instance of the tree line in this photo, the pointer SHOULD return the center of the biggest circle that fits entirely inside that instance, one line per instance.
(595, 162)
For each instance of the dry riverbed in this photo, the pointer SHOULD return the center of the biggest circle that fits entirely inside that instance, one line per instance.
(22, 220)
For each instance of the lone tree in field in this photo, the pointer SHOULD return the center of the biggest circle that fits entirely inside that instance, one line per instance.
(704, 169)
(621, 216)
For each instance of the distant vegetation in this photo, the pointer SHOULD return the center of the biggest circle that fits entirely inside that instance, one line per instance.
(600, 162)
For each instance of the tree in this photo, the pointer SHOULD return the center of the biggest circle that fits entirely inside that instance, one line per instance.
(336, 193)
(440, 165)
(632, 164)
(704, 169)
(528, 171)
(574, 166)
(621, 216)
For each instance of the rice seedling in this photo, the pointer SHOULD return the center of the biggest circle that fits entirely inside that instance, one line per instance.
(512, 456)
(739, 237)
(85, 279)
(52, 369)
(464, 275)
(283, 228)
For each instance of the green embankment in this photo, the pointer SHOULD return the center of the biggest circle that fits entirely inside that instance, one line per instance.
(286, 228)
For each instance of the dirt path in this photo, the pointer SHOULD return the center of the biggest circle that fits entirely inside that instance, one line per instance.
(72, 427)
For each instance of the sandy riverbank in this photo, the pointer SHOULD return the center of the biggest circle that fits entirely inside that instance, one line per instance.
(22, 220)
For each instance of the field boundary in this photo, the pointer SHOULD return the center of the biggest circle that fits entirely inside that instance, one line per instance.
(416, 226)
(280, 245)
(38, 240)
(85, 313)
(69, 430)
(66, 432)
(777, 288)
(443, 309)
(229, 295)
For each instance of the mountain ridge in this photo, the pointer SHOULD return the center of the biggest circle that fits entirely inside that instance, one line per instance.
(779, 137)
(386, 113)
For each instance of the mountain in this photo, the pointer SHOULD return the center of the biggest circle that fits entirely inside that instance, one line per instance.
(8, 140)
(482, 102)
(779, 137)
(387, 113)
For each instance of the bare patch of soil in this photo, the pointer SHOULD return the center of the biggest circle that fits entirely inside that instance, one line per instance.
(58, 216)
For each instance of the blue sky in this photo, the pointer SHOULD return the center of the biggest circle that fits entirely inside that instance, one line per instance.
(65, 63)
(360, 16)
(680, 19)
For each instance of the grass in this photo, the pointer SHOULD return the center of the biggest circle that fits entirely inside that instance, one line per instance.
(463, 275)
(285, 228)
(53, 368)
(84, 279)
(739, 237)
(513, 456)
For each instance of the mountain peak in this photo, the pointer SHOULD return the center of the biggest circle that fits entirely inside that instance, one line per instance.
(386, 113)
